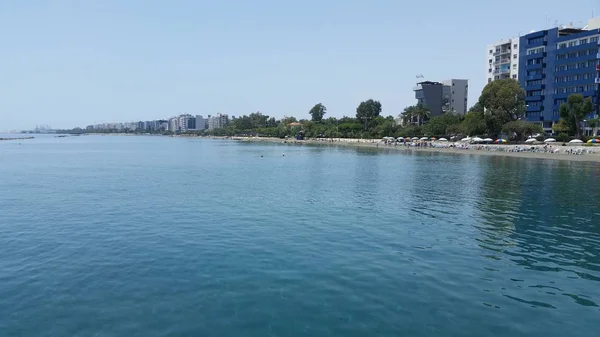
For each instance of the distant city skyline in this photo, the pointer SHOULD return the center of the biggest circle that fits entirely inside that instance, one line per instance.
(63, 64)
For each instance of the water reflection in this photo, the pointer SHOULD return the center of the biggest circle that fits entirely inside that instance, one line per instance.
(540, 216)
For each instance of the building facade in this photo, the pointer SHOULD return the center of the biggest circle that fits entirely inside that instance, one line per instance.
(502, 60)
(217, 122)
(441, 97)
(555, 63)
(456, 93)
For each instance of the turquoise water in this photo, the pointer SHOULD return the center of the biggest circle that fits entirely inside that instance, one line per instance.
(157, 236)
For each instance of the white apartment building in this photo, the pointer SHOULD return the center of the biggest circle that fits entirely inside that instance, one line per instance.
(502, 60)
(218, 121)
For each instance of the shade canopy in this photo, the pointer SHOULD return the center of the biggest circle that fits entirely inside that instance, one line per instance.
(575, 141)
(550, 140)
(530, 140)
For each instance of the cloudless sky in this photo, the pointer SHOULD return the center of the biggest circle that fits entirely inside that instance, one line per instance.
(73, 63)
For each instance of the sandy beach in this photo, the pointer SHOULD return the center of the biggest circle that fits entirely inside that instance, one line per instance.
(588, 154)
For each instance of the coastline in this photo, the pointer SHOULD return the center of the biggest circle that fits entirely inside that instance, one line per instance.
(373, 144)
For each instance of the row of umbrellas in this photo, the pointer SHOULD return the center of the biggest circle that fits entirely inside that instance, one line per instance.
(489, 140)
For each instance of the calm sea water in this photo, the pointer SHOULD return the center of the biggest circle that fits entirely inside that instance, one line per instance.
(156, 236)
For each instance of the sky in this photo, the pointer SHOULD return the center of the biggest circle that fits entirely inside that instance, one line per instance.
(74, 63)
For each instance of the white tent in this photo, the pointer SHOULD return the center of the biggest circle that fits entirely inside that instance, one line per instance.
(530, 140)
(443, 140)
(550, 140)
(576, 141)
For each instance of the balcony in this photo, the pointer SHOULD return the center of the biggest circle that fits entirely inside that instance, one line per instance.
(535, 77)
(536, 55)
(502, 71)
(534, 108)
(502, 52)
(535, 66)
(503, 61)
(534, 98)
(534, 87)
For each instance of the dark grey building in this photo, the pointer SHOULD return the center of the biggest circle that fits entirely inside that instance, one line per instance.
(430, 94)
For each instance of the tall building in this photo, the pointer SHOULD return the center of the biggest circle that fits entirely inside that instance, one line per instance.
(555, 63)
(218, 121)
(502, 60)
(456, 93)
(441, 97)
(200, 122)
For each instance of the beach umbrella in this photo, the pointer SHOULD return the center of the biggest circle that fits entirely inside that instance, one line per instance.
(424, 138)
(530, 140)
(443, 140)
(477, 140)
(466, 139)
(500, 141)
(593, 141)
(576, 141)
(488, 140)
(550, 140)
(415, 138)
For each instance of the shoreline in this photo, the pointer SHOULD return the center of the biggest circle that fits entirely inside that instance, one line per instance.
(376, 145)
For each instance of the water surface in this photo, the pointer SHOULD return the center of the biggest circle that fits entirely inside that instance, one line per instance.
(158, 236)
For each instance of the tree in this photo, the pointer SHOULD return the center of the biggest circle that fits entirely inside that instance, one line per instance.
(574, 110)
(317, 112)
(422, 113)
(439, 125)
(474, 123)
(418, 112)
(522, 128)
(368, 110)
(503, 102)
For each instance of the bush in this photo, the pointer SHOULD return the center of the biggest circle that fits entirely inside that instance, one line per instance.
(563, 137)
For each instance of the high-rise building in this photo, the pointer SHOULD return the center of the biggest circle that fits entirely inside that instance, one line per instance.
(218, 121)
(456, 93)
(200, 122)
(441, 97)
(555, 63)
(502, 60)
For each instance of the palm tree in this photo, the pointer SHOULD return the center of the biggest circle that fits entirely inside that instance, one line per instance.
(422, 113)
(408, 115)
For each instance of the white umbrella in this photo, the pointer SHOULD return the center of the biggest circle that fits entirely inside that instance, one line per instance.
(530, 140)
(465, 139)
(443, 140)
(424, 138)
(576, 141)
(550, 140)
(415, 138)
(477, 140)
(489, 140)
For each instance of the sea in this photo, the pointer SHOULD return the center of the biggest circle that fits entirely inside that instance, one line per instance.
(162, 236)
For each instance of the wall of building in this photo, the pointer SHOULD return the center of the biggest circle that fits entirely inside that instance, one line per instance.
(457, 91)
(552, 67)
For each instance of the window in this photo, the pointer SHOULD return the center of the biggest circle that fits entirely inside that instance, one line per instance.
(572, 43)
(581, 65)
(490, 70)
(583, 41)
(514, 56)
(514, 66)
(572, 55)
(515, 46)
(514, 76)
(561, 56)
(562, 45)
(594, 39)
(491, 51)
(489, 80)
(490, 61)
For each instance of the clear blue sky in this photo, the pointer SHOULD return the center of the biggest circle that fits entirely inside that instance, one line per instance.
(73, 63)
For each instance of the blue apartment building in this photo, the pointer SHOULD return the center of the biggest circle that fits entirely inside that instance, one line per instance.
(555, 63)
